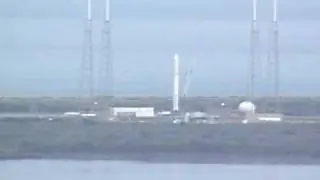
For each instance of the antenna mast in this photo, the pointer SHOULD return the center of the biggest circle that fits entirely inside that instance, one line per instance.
(253, 50)
(106, 66)
(86, 82)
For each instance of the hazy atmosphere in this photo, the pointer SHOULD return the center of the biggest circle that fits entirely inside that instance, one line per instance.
(41, 45)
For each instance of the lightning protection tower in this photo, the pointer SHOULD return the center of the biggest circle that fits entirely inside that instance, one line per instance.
(273, 61)
(275, 54)
(86, 81)
(254, 40)
(106, 65)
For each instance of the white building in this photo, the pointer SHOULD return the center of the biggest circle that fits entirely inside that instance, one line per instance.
(270, 117)
(133, 111)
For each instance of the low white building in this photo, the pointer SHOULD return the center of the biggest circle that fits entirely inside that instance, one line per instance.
(133, 111)
(270, 117)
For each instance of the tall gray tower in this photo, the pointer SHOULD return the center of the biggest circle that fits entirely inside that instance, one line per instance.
(273, 62)
(254, 42)
(106, 65)
(87, 76)
(275, 54)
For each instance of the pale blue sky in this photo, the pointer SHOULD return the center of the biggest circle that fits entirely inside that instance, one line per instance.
(41, 43)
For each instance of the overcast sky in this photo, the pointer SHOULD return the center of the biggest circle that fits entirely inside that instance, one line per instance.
(41, 45)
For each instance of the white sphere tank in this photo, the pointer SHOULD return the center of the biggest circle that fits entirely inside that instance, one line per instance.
(247, 107)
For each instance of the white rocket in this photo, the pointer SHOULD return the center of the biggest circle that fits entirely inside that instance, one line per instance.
(89, 16)
(107, 11)
(176, 74)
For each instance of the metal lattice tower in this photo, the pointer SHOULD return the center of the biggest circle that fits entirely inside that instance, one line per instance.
(87, 76)
(254, 40)
(273, 59)
(267, 70)
(275, 53)
(106, 65)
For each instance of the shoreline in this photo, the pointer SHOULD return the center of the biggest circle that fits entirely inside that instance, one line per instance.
(169, 158)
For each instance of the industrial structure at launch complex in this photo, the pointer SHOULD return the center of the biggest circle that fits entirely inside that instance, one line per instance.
(246, 109)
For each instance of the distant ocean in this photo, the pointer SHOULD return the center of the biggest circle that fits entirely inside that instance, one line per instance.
(124, 170)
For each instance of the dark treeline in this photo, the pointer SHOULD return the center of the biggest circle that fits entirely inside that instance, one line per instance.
(289, 106)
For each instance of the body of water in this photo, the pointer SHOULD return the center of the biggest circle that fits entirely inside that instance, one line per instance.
(124, 170)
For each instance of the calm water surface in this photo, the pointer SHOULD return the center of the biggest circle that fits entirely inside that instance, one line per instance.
(123, 170)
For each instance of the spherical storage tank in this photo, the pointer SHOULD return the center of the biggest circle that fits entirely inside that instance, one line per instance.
(246, 107)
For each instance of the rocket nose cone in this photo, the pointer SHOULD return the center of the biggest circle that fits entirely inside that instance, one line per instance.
(176, 56)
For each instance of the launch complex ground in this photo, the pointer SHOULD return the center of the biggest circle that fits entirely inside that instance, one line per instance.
(217, 109)
(24, 136)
